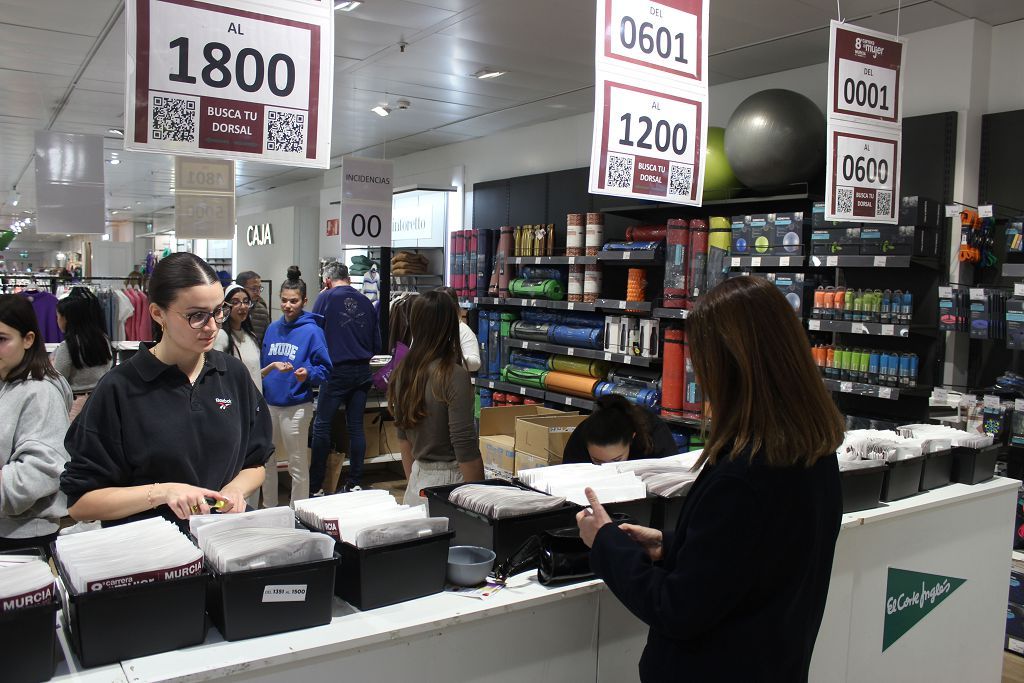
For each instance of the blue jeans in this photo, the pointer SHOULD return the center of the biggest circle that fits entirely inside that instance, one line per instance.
(348, 386)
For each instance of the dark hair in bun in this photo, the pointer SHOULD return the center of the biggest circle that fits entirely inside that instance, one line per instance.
(294, 281)
(615, 421)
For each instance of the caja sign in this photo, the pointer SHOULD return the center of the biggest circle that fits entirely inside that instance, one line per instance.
(259, 235)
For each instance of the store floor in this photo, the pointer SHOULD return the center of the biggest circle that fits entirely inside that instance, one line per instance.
(1013, 668)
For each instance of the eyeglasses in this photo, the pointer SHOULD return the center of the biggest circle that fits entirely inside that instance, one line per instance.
(254, 290)
(244, 302)
(198, 319)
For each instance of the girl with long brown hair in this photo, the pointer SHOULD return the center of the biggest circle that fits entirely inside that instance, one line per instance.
(431, 398)
(769, 489)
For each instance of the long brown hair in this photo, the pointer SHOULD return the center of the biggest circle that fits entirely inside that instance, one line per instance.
(754, 364)
(434, 324)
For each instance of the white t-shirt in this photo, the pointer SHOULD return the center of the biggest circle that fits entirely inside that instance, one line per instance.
(247, 350)
(470, 347)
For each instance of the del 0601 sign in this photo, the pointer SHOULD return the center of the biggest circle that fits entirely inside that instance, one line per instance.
(259, 235)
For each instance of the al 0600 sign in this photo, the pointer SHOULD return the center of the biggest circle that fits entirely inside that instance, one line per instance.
(863, 175)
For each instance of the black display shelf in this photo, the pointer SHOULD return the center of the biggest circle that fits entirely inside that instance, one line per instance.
(845, 327)
(797, 192)
(871, 262)
(1013, 270)
(582, 353)
(693, 423)
(671, 313)
(552, 260)
(768, 261)
(510, 388)
(875, 391)
(571, 401)
(638, 307)
(626, 257)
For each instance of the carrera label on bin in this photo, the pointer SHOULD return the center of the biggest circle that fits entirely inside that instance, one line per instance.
(42, 596)
(285, 593)
(181, 572)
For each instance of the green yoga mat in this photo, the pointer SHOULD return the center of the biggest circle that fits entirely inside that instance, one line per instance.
(537, 289)
(524, 377)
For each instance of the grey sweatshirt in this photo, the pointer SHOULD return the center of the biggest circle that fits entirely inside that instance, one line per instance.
(33, 423)
(81, 380)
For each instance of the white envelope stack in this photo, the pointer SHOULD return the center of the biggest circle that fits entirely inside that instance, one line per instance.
(367, 518)
(666, 477)
(503, 502)
(570, 482)
(127, 555)
(957, 437)
(25, 581)
(260, 539)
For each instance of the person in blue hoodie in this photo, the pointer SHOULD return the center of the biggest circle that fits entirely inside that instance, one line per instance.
(294, 359)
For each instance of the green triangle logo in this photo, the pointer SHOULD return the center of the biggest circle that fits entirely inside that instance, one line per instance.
(910, 597)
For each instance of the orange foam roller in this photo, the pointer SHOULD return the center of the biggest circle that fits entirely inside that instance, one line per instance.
(673, 379)
(574, 385)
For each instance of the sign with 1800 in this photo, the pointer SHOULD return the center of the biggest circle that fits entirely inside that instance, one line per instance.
(237, 80)
(863, 173)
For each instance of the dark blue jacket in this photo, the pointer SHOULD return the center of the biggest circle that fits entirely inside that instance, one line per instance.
(302, 344)
(350, 325)
(740, 592)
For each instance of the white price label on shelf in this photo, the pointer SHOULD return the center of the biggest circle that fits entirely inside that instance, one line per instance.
(832, 261)
(863, 174)
(952, 210)
(571, 306)
(814, 325)
(865, 68)
(991, 401)
(888, 330)
(285, 593)
(607, 356)
(626, 256)
(940, 396)
(880, 261)
(1018, 405)
(628, 360)
(846, 387)
(622, 304)
(784, 261)
(1018, 289)
(737, 262)
(985, 211)
(946, 292)
(885, 392)
(755, 262)
(522, 391)
(570, 351)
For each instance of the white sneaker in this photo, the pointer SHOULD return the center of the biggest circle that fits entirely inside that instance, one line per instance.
(318, 494)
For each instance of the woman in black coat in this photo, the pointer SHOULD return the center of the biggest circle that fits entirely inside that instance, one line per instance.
(738, 591)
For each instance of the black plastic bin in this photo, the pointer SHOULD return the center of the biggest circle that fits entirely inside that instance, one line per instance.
(259, 602)
(28, 638)
(937, 470)
(503, 536)
(666, 512)
(375, 577)
(862, 487)
(902, 479)
(111, 625)
(639, 511)
(974, 465)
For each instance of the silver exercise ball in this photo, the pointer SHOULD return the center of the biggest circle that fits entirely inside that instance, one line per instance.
(775, 138)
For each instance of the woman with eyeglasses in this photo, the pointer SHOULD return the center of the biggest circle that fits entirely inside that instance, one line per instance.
(237, 337)
(180, 426)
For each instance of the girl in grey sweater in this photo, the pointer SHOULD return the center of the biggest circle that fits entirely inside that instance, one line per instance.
(34, 404)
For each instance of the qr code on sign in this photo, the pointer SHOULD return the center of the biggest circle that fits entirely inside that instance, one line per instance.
(844, 200)
(620, 171)
(286, 131)
(174, 119)
(680, 180)
(883, 203)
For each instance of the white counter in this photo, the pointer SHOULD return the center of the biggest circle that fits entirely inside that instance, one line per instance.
(530, 634)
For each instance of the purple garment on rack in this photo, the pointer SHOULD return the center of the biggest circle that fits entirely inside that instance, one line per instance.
(45, 305)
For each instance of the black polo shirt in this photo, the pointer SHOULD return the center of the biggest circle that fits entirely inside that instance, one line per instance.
(145, 423)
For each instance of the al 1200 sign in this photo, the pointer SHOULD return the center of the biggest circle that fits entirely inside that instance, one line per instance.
(227, 81)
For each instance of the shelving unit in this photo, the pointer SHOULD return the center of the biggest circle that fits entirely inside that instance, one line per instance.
(844, 327)
(581, 353)
(767, 261)
(871, 262)
(670, 313)
(601, 304)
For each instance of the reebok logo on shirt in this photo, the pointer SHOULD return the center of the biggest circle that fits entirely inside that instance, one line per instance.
(223, 403)
(285, 349)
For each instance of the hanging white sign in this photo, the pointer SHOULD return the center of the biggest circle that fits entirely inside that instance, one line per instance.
(366, 201)
(863, 174)
(237, 80)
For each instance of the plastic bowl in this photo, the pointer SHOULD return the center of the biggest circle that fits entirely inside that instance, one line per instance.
(469, 565)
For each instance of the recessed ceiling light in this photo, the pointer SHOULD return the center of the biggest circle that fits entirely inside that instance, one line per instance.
(115, 161)
(380, 110)
(113, 213)
(488, 73)
(346, 5)
(115, 131)
(126, 208)
(67, 235)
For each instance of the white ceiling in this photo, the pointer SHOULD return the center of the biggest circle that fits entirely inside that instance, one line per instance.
(62, 68)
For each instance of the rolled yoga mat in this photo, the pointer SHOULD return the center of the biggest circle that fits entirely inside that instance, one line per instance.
(538, 332)
(540, 315)
(537, 289)
(631, 246)
(646, 233)
(676, 263)
(524, 377)
(584, 337)
(719, 242)
(578, 366)
(483, 329)
(674, 380)
(645, 379)
(502, 272)
(542, 273)
(574, 385)
(485, 260)
(697, 271)
(527, 359)
(472, 262)
(693, 399)
(646, 398)
(494, 344)
(575, 234)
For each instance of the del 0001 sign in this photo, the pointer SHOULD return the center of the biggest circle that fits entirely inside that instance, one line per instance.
(259, 235)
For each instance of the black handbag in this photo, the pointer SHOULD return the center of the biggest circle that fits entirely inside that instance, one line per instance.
(559, 555)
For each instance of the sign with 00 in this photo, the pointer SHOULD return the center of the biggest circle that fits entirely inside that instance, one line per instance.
(366, 201)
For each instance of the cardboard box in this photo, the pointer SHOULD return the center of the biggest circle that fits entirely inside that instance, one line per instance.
(545, 437)
(526, 461)
(499, 454)
(501, 420)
